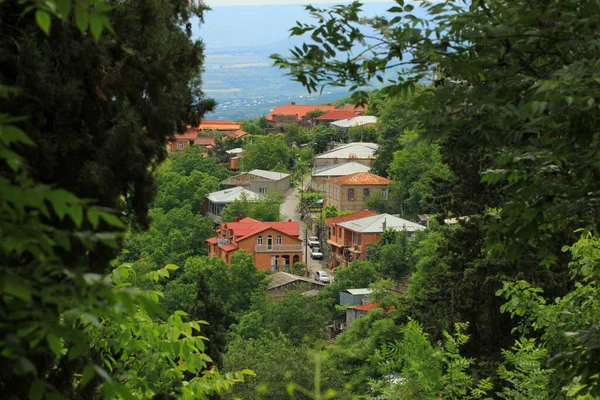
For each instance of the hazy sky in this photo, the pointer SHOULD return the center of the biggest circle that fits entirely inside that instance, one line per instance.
(216, 3)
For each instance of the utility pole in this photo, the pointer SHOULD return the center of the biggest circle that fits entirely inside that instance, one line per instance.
(306, 247)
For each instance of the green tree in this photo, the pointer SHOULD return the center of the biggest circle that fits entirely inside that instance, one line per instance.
(323, 135)
(368, 133)
(413, 171)
(266, 208)
(175, 190)
(268, 152)
(252, 128)
(98, 122)
(194, 158)
(295, 134)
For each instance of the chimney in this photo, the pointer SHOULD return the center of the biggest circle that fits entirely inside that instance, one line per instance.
(293, 103)
(289, 220)
(237, 219)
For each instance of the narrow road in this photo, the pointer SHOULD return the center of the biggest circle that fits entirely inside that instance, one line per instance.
(289, 210)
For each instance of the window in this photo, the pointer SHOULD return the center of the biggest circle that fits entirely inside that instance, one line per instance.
(279, 239)
(384, 194)
(366, 193)
(262, 190)
(179, 145)
(269, 242)
(351, 194)
(259, 241)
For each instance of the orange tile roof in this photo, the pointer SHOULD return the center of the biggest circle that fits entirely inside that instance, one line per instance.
(213, 240)
(349, 217)
(237, 134)
(299, 110)
(187, 135)
(366, 307)
(218, 125)
(336, 115)
(204, 141)
(360, 178)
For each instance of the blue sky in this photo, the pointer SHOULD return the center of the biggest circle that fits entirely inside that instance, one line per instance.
(216, 3)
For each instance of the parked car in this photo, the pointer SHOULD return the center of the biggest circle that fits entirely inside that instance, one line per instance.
(313, 241)
(315, 253)
(322, 276)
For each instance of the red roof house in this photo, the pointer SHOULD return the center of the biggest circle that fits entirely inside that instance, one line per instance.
(273, 245)
(294, 113)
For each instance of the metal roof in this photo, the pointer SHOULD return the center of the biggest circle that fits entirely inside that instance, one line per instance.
(352, 150)
(358, 292)
(341, 169)
(274, 176)
(361, 120)
(230, 195)
(283, 278)
(378, 223)
(235, 151)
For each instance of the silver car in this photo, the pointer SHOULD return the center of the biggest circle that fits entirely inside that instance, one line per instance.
(313, 241)
(322, 276)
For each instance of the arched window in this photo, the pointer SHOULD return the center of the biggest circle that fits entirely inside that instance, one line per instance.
(269, 242)
(259, 241)
(279, 239)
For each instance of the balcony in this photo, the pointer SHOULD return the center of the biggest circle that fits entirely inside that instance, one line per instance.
(278, 248)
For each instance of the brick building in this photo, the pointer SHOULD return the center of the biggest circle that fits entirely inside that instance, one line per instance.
(350, 192)
(272, 245)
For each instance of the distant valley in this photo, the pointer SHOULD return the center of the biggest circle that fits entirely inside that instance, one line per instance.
(238, 72)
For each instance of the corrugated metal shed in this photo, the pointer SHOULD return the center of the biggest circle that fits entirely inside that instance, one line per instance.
(352, 297)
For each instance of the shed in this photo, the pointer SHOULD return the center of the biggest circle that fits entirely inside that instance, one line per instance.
(352, 297)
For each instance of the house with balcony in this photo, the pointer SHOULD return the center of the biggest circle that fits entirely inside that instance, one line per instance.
(273, 245)
(205, 134)
(259, 181)
(349, 239)
(363, 153)
(215, 202)
(351, 192)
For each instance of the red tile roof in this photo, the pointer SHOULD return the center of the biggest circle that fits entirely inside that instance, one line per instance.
(355, 109)
(204, 141)
(249, 227)
(218, 125)
(213, 240)
(229, 247)
(299, 110)
(366, 307)
(349, 217)
(360, 178)
(336, 115)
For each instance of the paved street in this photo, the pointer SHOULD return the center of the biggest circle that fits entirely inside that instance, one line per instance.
(289, 209)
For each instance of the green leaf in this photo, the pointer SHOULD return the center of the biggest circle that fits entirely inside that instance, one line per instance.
(43, 20)
(64, 8)
(112, 220)
(17, 288)
(88, 373)
(36, 392)
(55, 344)
(81, 16)
(96, 24)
